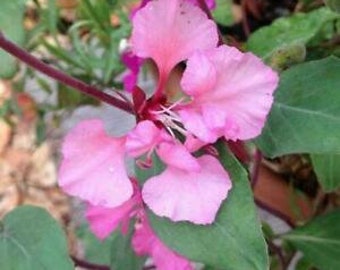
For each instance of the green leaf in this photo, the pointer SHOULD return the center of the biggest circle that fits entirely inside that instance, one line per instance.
(30, 239)
(327, 168)
(122, 254)
(319, 240)
(299, 28)
(305, 117)
(234, 241)
(11, 24)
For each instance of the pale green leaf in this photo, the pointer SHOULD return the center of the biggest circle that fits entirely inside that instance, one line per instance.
(30, 239)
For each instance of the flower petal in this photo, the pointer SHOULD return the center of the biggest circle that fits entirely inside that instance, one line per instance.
(200, 75)
(188, 196)
(176, 155)
(170, 31)
(103, 220)
(143, 138)
(194, 122)
(133, 64)
(145, 242)
(242, 94)
(211, 4)
(93, 166)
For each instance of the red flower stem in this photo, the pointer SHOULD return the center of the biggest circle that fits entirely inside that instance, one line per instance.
(275, 213)
(275, 249)
(88, 265)
(60, 76)
(203, 5)
(256, 167)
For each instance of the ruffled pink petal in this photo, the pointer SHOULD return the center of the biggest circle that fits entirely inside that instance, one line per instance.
(145, 242)
(242, 95)
(200, 75)
(188, 196)
(194, 122)
(93, 166)
(170, 31)
(176, 155)
(143, 138)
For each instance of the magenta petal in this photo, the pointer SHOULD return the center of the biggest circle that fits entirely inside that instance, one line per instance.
(92, 166)
(133, 64)
(145, 242)
(103, 220)
(211, 4)
(188, 196)
(170, 31)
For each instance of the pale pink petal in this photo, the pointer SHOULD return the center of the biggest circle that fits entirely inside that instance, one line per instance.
(242, 95)
(170, 31)
(92, 166)
(176, 155)
(145, 242)
(188, 196)
(194, 122)
(143, 138)
(200, 75)
(192, 143)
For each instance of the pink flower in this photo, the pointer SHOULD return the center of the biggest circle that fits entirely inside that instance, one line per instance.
(226, 93)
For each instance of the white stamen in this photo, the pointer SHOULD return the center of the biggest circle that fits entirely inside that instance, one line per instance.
(170, 119)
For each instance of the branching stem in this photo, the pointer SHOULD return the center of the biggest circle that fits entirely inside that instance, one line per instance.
(60, 76)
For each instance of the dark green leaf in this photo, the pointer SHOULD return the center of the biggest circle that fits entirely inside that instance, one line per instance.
(30, 239)
(303, 264)
(319, 240)
(305, 117)
(299, 28)
(234, 241)
(327, 168)
(11, 24)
